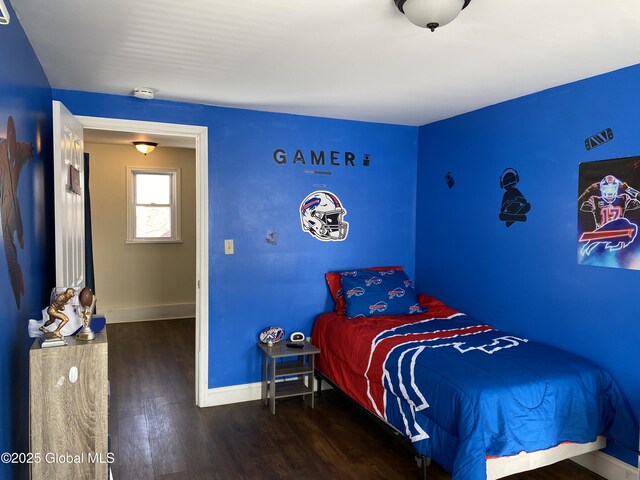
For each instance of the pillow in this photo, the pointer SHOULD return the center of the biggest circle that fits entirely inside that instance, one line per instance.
(375, 293)
(334, 281)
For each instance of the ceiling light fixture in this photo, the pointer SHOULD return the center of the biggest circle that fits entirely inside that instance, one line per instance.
(431, 14)
(5, 18)
(145, 147)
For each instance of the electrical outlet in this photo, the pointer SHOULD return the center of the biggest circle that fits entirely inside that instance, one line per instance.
(228, 247)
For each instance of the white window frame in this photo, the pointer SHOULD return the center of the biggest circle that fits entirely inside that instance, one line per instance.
(176, 226)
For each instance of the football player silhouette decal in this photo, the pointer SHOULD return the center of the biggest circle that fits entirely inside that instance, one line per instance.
(514, 206)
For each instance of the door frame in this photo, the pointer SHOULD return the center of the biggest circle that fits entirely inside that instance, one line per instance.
(200, 134)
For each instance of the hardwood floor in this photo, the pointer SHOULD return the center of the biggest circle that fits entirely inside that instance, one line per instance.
(158, 433)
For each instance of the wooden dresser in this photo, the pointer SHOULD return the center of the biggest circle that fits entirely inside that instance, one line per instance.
(68, 420)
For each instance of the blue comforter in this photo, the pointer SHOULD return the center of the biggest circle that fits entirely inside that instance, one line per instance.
(462, 391)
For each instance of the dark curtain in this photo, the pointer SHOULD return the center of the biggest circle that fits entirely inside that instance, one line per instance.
(88, 242)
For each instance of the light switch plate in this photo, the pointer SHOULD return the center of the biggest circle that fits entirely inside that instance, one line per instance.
(228, 247)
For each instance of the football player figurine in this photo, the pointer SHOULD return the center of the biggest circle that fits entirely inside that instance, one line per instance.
(87, 300)
(56, 312)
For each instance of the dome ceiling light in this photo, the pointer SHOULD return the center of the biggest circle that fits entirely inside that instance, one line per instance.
(431, 14)
(145, 147)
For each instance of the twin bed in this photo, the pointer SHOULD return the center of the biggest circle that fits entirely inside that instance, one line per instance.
(480, 402)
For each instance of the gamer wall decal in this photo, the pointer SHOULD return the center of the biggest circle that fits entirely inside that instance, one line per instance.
(322, 216)
(13, 156)
(321, 158)
(609, 213)
(514, 206)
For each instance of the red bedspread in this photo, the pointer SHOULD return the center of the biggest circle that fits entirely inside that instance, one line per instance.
(345, 346)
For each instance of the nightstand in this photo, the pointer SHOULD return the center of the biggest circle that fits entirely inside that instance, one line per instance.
(287, 372)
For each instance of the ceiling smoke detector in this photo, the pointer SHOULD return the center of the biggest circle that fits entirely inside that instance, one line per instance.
(144, 92)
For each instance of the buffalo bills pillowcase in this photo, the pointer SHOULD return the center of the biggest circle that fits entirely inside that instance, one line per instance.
(334, 281)
(388, 292)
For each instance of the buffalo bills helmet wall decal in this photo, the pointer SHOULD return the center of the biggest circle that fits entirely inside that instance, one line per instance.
(514, 206)
(322, 216)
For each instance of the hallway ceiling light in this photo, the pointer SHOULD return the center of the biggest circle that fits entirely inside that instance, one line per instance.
(145, 147)
(431, 14)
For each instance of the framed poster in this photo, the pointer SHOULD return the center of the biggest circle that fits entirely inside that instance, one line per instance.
(609, 213)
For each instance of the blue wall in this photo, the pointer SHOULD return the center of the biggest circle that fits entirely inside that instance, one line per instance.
(525, 279)
(250, 195)
(25, 95)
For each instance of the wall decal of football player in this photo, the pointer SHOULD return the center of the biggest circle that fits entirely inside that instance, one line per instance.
(609, 201)
(514, 206)
(13, 156)
(321, 215)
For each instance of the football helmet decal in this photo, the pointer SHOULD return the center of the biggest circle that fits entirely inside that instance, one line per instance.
(321, 215)
(609, 187)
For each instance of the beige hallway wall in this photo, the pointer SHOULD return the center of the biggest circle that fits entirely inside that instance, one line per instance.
(132, 280)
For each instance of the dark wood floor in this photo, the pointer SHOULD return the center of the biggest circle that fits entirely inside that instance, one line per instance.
(157, 432)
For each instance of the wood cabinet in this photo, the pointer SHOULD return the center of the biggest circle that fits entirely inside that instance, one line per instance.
(68, 410)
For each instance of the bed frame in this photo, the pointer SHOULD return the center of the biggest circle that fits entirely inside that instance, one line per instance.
(421, 461)
(497, 467)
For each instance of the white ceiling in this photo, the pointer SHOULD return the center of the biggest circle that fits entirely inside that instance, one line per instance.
(353, 59)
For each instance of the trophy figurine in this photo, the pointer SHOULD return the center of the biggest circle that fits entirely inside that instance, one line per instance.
(88, 301)
(56, 312)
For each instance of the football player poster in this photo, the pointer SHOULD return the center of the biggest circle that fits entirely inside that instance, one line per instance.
(609, 213)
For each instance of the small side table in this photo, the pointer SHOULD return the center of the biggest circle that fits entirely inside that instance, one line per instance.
(294, 362)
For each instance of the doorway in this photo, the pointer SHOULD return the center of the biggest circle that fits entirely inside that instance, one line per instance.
(197, 137)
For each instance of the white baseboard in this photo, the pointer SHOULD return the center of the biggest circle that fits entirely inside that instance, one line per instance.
(147, 313)
(238, 393)
(233, 394)
(607, 466)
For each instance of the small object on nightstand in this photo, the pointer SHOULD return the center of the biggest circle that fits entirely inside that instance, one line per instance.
(273, 334)
(297, 337)
(295, 345)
